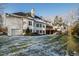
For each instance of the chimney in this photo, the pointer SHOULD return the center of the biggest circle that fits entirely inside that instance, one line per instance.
(33, 12)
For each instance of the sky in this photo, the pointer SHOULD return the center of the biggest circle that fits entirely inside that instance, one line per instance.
(41, 9)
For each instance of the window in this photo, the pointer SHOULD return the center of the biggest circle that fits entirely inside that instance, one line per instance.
(43, 32)
(30, 23)
(40, 25)
(37, 25)
(40, 31)
(37, 31)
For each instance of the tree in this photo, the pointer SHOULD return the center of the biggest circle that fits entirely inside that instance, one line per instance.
(56, 20)
(1, 13)
(60, 21)
(72, 40)
(76, 28)
(27, 31)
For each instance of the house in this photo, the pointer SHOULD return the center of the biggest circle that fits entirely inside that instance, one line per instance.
(18, 22)
(49, 27)
(14, 24)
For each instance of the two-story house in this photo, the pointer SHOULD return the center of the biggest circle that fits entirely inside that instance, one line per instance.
(17, 22)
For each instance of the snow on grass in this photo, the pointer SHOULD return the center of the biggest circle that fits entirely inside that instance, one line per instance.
(29, 45)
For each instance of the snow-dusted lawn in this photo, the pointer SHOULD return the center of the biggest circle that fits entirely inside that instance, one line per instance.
(30, 45)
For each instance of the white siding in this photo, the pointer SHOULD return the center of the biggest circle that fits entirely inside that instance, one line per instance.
(25, 23)
(40, 28)
(14, 23)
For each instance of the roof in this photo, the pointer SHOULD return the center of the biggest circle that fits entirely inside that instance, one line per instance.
(41, 21)
(26, 14)
(22, 14)
(13, 15)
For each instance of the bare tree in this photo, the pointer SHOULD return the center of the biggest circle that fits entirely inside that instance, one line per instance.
(1, 13)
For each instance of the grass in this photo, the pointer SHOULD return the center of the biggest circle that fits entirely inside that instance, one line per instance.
(17, 47)
(4, 40)
(54, 38)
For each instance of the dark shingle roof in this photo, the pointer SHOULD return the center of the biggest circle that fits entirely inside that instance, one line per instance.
(20, 13)
(26, 14)
(38, 17)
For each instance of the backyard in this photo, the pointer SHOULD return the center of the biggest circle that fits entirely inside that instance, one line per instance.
(46, 45)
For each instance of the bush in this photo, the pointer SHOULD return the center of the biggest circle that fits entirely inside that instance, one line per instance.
(27, 32)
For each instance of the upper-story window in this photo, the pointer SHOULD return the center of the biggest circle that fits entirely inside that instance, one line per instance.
(40, 25)
(30, 22)
(37, 25)
(43, 26)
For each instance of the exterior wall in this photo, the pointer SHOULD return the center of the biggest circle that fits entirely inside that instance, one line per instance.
(33, 27)
(40, 29)
(4, 19)
(25, 23)
(49, 29)
(14, 25)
